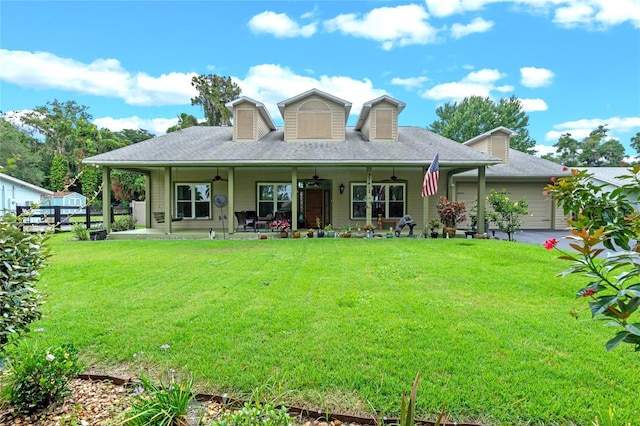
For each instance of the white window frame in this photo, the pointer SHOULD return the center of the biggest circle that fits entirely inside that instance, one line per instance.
(386, 200)
(193, 201)
(275, 200)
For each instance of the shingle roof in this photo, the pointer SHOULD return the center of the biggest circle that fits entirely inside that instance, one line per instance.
(608, 174)
(207, 146)
(520, 166)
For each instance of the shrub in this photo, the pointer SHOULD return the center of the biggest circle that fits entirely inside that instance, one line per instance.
(124, 223)
(451, 212)
(160, 404)
(22, 257)
(255, 413)
(80, 231)
(507, 214)
(39, 377)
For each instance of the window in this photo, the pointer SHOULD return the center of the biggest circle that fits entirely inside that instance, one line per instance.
(314, 120)
(273, 197)
(193, 200)
(387, 199)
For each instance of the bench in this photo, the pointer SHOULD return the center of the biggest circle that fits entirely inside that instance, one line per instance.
(159, 217)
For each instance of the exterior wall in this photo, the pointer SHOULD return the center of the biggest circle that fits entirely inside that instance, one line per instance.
(337, 120)
(366, 128)
(71, 200)
(12, 194)
(259, 127)
(540, 206)
(373, 114)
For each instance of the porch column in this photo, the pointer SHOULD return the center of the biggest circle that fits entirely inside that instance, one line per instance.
(106, 199)
(369, 188)
(167, 200)
(294, 198)
(553, 212)
(425, 214)
(481, 195)
(230, 202)
(147, 200)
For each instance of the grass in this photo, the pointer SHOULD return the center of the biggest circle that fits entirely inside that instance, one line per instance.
(344, 325)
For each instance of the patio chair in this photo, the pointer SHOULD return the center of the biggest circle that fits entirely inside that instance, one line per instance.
(259, 222)
(244, 221)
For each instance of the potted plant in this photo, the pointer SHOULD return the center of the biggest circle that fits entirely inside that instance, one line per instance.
(434, 224)
(329, 230)
(320, 232)
(451, 214)
(296, 234)
(310, 233)
(368, 229)
(347, 230)
(282, 226)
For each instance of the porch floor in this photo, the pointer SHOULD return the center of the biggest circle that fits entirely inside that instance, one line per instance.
(189, 234)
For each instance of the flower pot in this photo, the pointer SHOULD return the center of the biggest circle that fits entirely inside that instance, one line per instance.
(296, 234)
(346, 234)
(309, 234)
(331, 234)
(448, 232)
(320, 234)
(369, 234)
(434, 234)
(284, 234)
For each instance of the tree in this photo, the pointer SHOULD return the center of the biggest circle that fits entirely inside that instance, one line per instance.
(19, 156)
(184, 120)
(593, 151)
(505, 213)
(476, 115)
(214, 92)
(59, 174)
(635, 142)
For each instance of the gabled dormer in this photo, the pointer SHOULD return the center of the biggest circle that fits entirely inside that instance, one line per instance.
(314, 116)
(251, 120)
(378, 120)
(494, 142)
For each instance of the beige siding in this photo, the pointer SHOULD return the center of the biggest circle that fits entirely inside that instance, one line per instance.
(263, 127)
(500, 147)
(366, 128)
(336, 121)
(481, 145)
(384, 122)
(539, 205)
(244, 126)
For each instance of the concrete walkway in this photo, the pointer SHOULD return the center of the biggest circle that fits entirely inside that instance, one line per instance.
(538, 237)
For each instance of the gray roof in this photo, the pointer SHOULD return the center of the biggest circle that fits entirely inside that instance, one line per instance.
(608, 174)
(213, 146)
(22, 183)
(521, 166)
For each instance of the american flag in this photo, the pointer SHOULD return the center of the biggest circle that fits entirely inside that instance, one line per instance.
(430, 183)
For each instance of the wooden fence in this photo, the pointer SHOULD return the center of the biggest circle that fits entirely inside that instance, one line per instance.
(63, 218)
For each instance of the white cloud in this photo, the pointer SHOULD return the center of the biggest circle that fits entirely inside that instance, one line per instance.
(533, 105)
(478, 25)
(566, 13)
(102, 77)
(580, 129)
(391, 26)
(535, 77)
(272, 83)
(280, 25)
(157, 126)
(544, 149)
(409, 83)
(478, 83)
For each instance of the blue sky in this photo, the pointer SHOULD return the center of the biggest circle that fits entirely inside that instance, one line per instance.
(574, 64)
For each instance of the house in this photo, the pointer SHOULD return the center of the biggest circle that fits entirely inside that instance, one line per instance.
(314, 167)
(609, 179)
(15, 192)
(64, 199)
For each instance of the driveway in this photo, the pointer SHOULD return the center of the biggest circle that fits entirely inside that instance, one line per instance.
(538, 237)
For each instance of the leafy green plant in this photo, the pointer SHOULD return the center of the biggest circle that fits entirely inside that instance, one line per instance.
(124, 223)
(164, 404)
(408, 407)
(23, 255)
(255, 413)
(38, 377)
(80, 231)
(507, 214)
(593, 206)
(609, 419)
(613, 297)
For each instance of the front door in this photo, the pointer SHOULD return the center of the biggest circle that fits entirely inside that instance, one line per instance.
(313, 206)
(315, 202)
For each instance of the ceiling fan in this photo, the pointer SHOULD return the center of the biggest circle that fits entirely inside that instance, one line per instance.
(394, 178)
(217, 177)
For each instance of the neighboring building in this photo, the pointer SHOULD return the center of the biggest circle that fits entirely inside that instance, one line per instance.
(609, 178)
(312, 167)
(15, 192)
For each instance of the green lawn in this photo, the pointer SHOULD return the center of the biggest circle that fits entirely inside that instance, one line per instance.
(344, 325)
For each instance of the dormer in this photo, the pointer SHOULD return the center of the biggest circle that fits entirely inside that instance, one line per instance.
(314, 116)
(494, 142)
(378, 120)
(251, 120)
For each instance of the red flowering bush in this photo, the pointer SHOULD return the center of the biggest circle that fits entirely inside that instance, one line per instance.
(280, 225)
(613, 287)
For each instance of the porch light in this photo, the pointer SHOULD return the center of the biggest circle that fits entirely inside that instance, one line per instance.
(341, 188)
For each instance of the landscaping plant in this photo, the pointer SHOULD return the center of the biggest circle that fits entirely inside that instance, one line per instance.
(613, 287)
(162, 404)
(506, 214)
(22, 256)
(255, 413)
(38, 377)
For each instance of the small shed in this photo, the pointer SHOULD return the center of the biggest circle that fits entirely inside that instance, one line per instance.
(64, 199)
